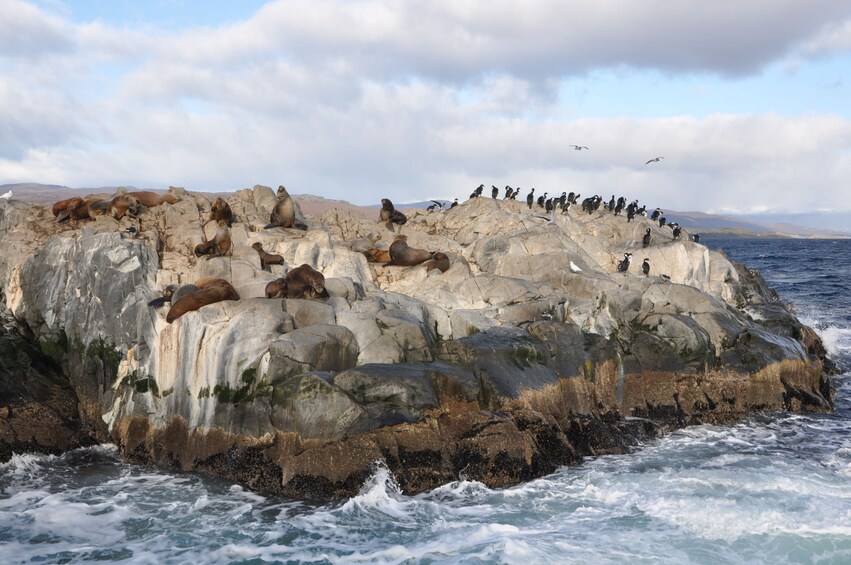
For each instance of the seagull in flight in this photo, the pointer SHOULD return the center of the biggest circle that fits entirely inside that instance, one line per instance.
(579, 147)
(654, 160)
(7, 196)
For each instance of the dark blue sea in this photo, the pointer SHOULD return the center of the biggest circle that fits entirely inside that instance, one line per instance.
(774, 489)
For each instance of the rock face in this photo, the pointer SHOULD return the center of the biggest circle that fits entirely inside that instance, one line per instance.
(529, 352)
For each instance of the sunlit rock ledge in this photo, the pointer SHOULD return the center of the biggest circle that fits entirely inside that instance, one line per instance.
(530, 352)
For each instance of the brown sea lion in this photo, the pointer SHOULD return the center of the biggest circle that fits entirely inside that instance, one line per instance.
(404, 256)
(172, 293)
(150, 199)
(61, 210)
(283, 214)
(390, 215)
(123, 205)
(277, 289)
(219, 246)
(220, 210)
(97, 208)
(375, 255)
(209, 291)
(267, 259)
(305, 282)
(439, 261)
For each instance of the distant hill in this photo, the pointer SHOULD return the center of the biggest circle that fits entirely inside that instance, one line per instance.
(815, 224)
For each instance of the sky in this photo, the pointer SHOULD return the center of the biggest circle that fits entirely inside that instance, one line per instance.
(749, 103)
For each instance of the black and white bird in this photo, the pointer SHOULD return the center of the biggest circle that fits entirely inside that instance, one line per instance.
(508, 192)
(478, 192)
(645, 267)
(623, 266)
(130, 232)
(542, 199)
(494, 191)
(655, 215)
(436, 206)
(696, 238)
(454, 204)
(662, 221)
(646, 238)
(579, 147)
(654, 160)
(677, 230)
(530, 198)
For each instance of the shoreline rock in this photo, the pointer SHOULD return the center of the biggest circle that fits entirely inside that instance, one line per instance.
(528, 353)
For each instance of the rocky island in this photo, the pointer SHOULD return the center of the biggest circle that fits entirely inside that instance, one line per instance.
(529, 352)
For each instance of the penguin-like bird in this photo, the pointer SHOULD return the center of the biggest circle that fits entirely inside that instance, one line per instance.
(645, 267)
(623, 266)
(530, 198)
(494, 192)
(646, 238)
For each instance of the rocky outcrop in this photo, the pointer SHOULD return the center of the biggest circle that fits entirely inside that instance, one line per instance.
(528, 353)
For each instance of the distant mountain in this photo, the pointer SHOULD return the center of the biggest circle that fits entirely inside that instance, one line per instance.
(814, 224)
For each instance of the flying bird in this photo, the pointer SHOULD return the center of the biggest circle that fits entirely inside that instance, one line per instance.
(579, 147)
(654, 160)
(7, 196)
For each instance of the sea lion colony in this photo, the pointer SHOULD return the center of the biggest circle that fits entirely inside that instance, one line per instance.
(304, 282)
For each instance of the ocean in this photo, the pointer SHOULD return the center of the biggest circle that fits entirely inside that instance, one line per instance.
(773, 489)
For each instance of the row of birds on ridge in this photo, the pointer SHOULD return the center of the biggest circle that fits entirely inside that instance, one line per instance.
(591, 204)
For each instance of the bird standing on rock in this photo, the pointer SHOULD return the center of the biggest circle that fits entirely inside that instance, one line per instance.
(494, 192)
(530, 198)
(646, 238)
(623, 266)
(645, 267)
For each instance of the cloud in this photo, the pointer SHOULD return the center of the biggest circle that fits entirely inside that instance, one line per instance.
(358, 100)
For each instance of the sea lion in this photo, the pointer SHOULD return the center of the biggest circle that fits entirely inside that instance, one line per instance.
(267, 259)
(151, 199)
(364, 244)
(209, 291)
(62, 209)
(403, 255)
(81, 211)
(219, 246)
(305, 282)
(390, 215)
(172, 293)
(440, 261)
(122, 205)
(283, 214)
(97, 208)
(220, 210)
(277, 289)
(376, 255)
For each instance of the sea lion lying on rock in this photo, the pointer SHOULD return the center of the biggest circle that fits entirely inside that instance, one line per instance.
(267, 259)
(277, 288)
(173, 293)
(376, 255)
(364, 244)
(220, 210)
(123, 205)
(390, 215)
(150, 199)
(403, 255)
(208, 291)
(75, 208)
(305, 282)
(440, 261)
(219, 246)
